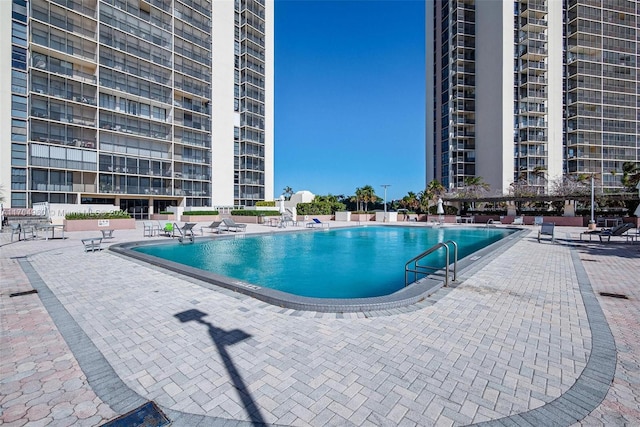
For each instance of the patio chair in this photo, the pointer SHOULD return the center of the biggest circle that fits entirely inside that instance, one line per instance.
(288, 219)
(316, 221)
(230, 225)
(22, 231)
(214, 227)
(607, 232)
(519, 220)
(616, 231)
(149, 229)
(168, 229)
(547, 229)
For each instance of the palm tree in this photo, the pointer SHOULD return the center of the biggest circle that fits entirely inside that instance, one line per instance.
(630, 174)
(288, 192)
(328, 198)
(474, 185)
(424, 200)
(410, 201)
(436, 189)
(357, 198)
(368, 195)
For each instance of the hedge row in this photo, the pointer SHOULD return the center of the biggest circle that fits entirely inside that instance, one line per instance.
(195, 213)
(243, 212)
(98, 215)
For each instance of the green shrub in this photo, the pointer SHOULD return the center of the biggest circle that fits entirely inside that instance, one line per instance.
(98, 215)
(319, 208)
(266, 203)
(245, 212)
(165, 213)
(197, 213)
(448, 210)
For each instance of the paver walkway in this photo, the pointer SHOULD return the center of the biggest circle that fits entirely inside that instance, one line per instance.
(512, 337)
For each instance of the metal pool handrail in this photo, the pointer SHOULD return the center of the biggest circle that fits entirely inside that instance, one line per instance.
(424, 269)
(182, 235)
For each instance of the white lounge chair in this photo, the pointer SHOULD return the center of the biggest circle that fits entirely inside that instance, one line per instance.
(316, 222)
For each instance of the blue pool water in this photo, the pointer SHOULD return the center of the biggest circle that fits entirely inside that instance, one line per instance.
(340, 263)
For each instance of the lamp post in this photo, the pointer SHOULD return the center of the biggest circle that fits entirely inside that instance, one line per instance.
(592, 201)
(592, 221)
(385, 200)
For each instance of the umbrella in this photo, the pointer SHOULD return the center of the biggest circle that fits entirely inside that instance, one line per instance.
(440, 210)
(282, 209)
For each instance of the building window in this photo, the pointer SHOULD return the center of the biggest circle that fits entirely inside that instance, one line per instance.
(18, 200)
(19, 57)
(18, 179)
(19, 34)
(20, 10)
(18, 155)
(18, 130)
(18, 82)
(18, 106)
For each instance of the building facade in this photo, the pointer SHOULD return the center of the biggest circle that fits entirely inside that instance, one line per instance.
(527, 92)
(141, 104)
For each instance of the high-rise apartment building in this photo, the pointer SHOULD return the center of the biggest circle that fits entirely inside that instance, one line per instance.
(529, 91)
(138, 103)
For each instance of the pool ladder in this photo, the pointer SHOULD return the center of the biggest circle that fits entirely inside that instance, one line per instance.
(183, 235)
(425, 270)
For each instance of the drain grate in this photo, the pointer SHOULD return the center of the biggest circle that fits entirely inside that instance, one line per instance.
(147, 415)
(19, 294)
(612, 295)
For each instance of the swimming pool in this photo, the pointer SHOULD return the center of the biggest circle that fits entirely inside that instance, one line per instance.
(345, 263)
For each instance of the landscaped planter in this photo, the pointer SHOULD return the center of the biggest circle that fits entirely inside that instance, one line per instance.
(99, 224)
(564, 221)
(303, 219)
(199, 218)
(447, 219)
(163, 217)
(363, 217)
(246, 219)
(343, 216)
(387, 217)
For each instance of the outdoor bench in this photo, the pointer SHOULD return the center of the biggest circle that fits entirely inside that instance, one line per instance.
(92, 244)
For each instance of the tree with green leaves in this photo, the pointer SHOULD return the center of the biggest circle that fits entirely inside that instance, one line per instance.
(630, 175)
(436, 189)
(410, 202)
(368, 195)
(357, 198)
(328, 198)
(287, 192)
(474, 186)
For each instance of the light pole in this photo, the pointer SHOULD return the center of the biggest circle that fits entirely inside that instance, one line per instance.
(385, 200)
(592, 222)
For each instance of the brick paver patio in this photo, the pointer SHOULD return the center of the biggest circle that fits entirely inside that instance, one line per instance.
(519, 337)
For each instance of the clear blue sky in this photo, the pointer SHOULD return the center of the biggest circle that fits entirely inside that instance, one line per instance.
(349, 96)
